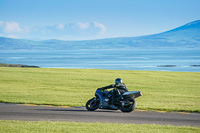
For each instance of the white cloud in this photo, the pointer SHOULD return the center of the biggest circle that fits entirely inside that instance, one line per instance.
(83, 25)
(60, 26)
(12, 27)
(72, 30)
(100, 26)
(13, 30)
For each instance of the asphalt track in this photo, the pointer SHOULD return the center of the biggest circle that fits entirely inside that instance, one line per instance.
(80, 114)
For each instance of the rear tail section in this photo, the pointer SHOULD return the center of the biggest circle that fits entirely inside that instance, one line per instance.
(133, 94)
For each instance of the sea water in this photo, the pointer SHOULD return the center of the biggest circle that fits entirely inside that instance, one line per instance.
(187, 60)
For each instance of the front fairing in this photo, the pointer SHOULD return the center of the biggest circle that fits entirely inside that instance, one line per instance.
(98, 91)
(99, 94)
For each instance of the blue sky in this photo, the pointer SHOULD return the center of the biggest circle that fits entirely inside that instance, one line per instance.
(93, 19)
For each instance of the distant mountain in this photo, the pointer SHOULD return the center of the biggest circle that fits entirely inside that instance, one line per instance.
(186, 36)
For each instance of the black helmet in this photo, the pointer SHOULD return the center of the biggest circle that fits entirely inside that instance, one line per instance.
(118, 80)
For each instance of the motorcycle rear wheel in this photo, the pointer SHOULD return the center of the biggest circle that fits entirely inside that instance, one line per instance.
(92, 104)
(129, 107)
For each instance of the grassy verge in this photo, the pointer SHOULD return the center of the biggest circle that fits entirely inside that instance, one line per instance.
(77, 127)
(166, 91)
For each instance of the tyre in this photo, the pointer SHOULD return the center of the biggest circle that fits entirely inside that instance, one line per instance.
(130, 107)
(92, 104)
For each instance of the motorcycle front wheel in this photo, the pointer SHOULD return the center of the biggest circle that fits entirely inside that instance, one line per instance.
(92, 104)
(130, 107)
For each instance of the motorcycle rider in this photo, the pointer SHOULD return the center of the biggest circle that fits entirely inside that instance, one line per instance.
(119, 88)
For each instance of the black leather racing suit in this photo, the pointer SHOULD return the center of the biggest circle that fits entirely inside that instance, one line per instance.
(120, 86)
(119, 89)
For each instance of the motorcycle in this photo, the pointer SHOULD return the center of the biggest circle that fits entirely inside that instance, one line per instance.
(105, 99)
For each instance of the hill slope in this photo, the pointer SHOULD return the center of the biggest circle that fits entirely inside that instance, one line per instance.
(186, 36)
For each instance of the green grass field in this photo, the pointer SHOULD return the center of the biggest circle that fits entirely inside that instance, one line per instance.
(79, 127)
(166, 91)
